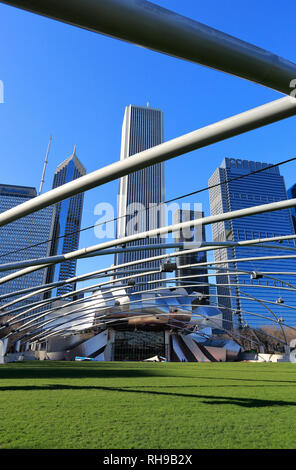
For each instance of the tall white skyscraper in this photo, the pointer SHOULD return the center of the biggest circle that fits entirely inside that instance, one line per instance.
(141, 192)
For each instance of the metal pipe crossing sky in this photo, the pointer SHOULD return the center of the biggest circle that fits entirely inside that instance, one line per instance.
(207, 246)
(110, 270)
(44, 262)
(230, 127)
(146, 24)
(149, 25)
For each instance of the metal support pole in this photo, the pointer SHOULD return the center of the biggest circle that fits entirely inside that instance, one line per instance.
(111, 270)
(274, 206)
(244, 122)
(200, 247)
(146, 24)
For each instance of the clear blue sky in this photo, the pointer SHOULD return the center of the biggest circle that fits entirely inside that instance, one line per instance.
(75, 84)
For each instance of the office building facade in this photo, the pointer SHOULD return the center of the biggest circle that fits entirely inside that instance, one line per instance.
(22, 240)
(141, 192)
(192, 275)
(66, 224)
(292, 195)
(237, 189)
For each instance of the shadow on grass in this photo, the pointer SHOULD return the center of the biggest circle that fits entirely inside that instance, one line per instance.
(70, 370)
(77, 373)
(207, 399)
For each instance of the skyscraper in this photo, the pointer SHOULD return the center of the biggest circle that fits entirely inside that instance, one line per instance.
(22, 240)
(142, 190)
(66, 223)
(196, 235)
(251, 190)
(291, 195)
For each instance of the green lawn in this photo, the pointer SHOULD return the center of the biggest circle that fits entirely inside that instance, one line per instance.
(47, 405)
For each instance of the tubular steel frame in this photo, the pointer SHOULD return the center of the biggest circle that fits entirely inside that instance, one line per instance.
(148, 25)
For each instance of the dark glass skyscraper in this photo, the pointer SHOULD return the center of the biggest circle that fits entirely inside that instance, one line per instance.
(256, 189)
(142, 190)
(22, 240)
(196, 235)
(66, 223)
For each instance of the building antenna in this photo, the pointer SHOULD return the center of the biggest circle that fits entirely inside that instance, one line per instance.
(44, 168)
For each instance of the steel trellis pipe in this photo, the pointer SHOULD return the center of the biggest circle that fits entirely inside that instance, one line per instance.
(69, 294)
(112, 268)
(37, 304)
(104, 307)
(235, 125)
(56, 259)
(146, 24)
(274, 206)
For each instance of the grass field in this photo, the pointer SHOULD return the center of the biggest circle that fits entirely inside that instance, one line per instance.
(47, 405)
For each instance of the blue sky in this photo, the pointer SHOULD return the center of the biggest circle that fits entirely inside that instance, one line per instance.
(75, 84)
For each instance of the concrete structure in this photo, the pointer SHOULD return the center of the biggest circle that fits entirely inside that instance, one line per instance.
(142, 192)
(66, 220)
